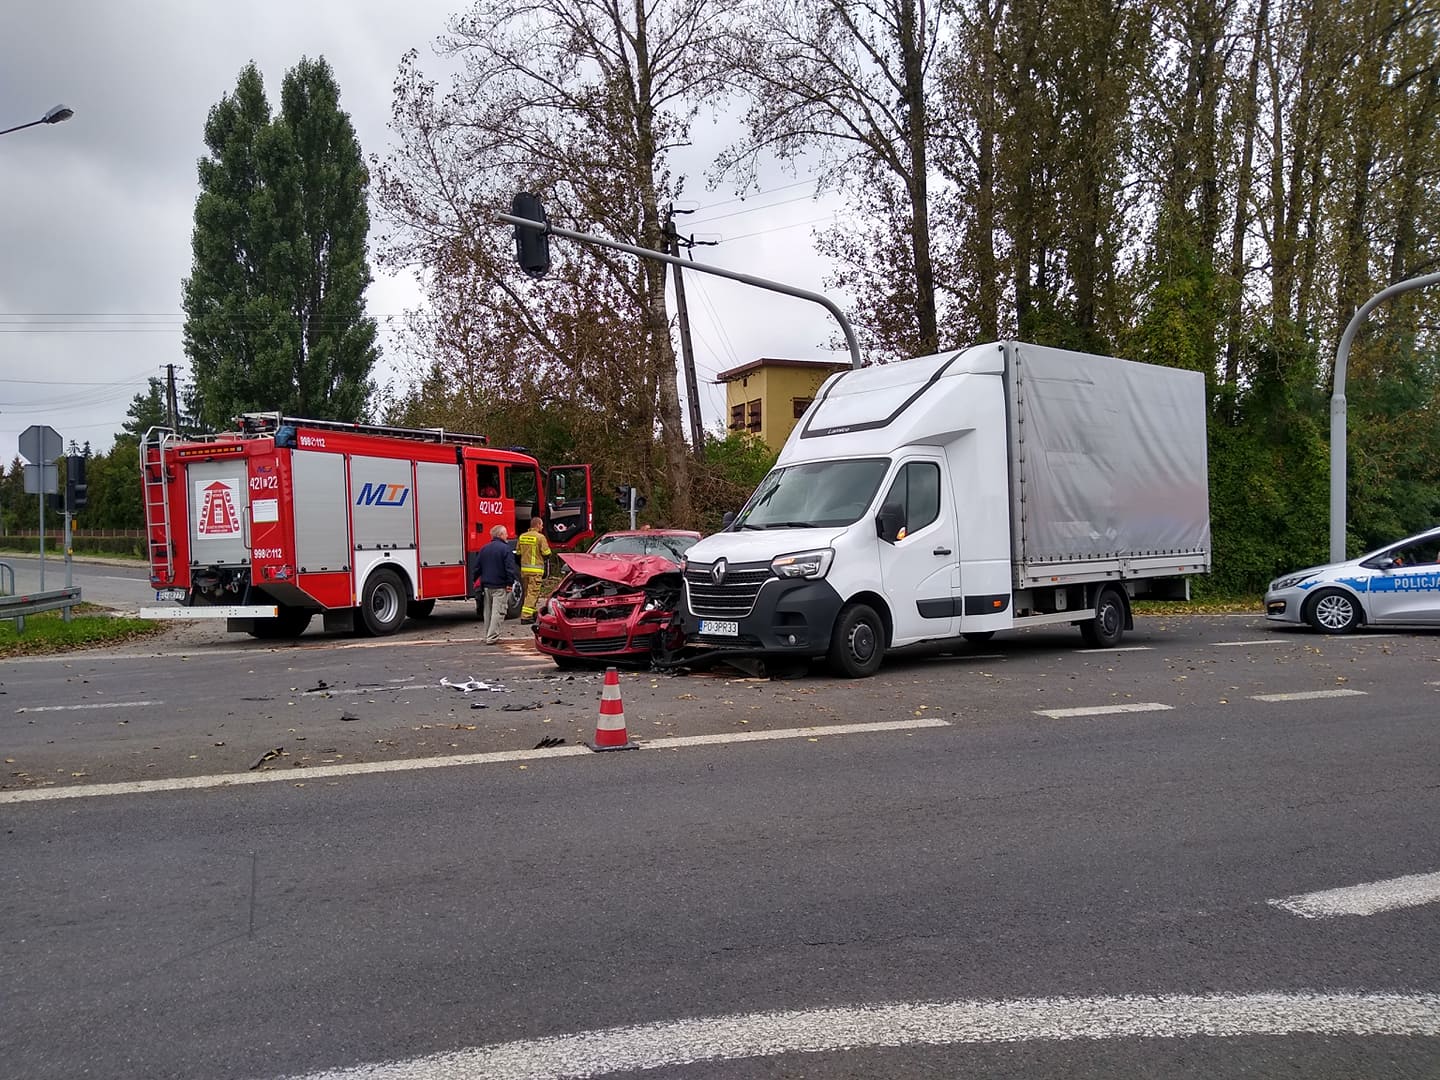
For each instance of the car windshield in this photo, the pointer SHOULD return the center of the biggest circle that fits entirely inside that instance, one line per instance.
(818, 494)
(666, 547)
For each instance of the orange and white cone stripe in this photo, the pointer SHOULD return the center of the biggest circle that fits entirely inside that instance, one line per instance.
(610, 731)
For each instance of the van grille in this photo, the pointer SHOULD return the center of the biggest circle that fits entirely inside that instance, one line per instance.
(733, 598)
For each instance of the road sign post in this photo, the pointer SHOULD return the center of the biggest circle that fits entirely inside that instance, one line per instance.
(40, 445)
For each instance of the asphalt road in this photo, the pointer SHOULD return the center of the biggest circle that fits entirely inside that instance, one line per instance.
(1112, 859)
(120, 584)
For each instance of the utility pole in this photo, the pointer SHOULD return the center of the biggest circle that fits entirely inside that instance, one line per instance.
(172, 410)
(687, 349)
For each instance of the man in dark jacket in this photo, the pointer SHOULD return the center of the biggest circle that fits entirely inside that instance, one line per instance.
(496, 572)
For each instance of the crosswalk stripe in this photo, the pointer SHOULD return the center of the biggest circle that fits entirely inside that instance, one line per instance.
(1308, 695)
(1103, 710)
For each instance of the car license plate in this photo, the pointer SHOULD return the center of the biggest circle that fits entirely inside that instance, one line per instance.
(169, 594)
(719, 627)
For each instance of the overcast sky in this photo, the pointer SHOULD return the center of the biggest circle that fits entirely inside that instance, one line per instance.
(96, 212)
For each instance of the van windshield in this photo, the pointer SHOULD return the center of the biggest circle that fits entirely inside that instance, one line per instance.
(816, 495)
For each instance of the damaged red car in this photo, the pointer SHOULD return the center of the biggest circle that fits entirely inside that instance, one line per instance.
(619, 602)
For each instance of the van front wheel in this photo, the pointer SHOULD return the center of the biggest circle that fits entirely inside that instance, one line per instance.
(858, 643)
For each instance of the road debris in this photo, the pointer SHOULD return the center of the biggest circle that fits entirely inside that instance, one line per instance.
(268, 755)
(473, 684)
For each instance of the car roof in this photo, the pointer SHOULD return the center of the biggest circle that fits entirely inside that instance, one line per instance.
(652, 532)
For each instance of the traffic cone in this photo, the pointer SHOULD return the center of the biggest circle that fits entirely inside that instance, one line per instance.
(610, 727)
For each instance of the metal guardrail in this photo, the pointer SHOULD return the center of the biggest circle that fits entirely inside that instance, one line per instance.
(17, 607)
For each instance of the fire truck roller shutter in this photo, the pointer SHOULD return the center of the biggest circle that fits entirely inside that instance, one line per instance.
(322, 543)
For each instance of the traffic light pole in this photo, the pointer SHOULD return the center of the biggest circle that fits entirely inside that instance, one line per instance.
(704, 268)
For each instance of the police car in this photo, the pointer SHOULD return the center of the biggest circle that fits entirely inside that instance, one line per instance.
(1396, 584)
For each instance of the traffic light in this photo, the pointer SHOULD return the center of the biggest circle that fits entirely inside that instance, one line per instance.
(532, 246)
(77, 492)
(622, 497)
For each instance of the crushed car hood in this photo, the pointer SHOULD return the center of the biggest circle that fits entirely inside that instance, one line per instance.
(621, 569)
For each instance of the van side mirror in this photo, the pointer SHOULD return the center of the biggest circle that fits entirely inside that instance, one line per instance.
(888, 524)
(728, 519)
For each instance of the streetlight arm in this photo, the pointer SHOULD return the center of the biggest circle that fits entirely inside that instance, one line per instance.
(1338, 407)
(53, 115)
(690, 264)
(21, 127)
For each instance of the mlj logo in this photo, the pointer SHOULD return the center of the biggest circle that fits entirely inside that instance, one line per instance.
(382, 495)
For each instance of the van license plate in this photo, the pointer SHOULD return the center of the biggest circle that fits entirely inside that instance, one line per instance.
(719, 627)
(169, 594)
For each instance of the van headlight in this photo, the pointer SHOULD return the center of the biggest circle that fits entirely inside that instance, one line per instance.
(803, 564)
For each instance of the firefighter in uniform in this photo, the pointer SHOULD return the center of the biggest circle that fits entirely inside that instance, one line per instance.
(533, 549)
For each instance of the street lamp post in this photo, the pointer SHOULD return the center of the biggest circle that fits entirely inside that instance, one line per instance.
(1339, 409)
(52, 116)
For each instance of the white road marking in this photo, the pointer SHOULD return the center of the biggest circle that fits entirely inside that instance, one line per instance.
(314, 772)
(1401, 892)
(678, 1043)
(357, 768)
(1307, 695)
(1120, 648)
(91, 705)
(1103, 710)
(1257, 641)
(795, 733)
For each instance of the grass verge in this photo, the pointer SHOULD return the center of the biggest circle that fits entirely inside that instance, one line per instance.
(49, 633)
(1210, 605)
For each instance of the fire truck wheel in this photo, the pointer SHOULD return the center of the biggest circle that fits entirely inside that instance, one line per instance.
(290, 623)
(382, 603)
(420, 609)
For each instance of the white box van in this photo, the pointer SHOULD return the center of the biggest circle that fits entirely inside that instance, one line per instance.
(954, 495)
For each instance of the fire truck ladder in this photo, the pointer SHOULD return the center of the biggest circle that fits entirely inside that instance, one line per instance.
(154, 475)
(262, 423)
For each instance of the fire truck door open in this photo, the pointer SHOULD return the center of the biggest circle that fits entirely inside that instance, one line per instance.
(567, 490)
(219, 513)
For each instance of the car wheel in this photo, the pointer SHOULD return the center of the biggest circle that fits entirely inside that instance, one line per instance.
(1333, 611)
(420, 609)
(289, 623)
(669, 645)
(978, 637)
(858, 643)
(1106, 629)
(382, 603)
(517, 600)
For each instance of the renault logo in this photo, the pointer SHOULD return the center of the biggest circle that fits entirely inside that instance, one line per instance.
(717, 572)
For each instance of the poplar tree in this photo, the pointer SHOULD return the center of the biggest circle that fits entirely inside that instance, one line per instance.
(275, 301)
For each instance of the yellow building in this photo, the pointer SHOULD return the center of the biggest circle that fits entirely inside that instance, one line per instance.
(766, 396)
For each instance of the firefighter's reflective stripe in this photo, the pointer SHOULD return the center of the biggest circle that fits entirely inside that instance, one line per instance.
(532, 549)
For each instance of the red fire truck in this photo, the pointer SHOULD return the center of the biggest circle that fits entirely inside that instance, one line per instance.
(282, 518)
